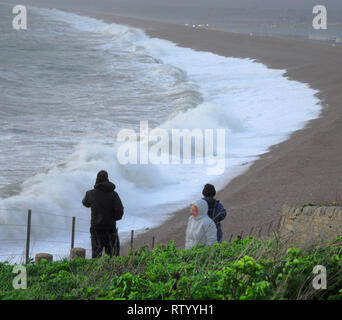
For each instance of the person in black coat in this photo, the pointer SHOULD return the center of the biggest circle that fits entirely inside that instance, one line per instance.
(106, 209)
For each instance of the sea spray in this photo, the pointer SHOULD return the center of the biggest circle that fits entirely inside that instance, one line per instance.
(89, 80)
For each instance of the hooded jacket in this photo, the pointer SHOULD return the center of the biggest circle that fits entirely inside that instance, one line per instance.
(216, 211)
(106, 207)
(201, 229)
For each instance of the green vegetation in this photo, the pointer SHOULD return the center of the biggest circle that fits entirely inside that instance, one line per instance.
(322, 204)
(307, 205)
(244, 269)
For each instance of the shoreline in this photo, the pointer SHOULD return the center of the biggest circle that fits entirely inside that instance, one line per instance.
(302, 169)
(255, 197)
(252, 201)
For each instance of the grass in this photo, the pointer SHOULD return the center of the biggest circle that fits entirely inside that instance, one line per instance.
(244, 269)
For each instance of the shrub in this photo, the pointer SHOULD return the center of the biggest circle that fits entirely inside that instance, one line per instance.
(244, 269)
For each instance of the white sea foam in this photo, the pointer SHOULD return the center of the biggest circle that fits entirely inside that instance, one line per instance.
(258, 106)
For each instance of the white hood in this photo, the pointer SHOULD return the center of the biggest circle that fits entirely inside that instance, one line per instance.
(201, 229)
(202, 207)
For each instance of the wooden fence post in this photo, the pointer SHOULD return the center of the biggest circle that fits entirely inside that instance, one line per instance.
(28, 235)
(231, 237)
(77, 253)
(73, 232)
(132, 236)
(152, 242)
(269, 228)
(279, 224)
(251, 231)
(46, 256)
(259, 234)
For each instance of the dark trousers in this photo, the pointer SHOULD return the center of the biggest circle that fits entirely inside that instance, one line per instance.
(105, 239)
(219, 233)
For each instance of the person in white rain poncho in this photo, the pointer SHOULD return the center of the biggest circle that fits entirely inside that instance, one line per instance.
(201, 229)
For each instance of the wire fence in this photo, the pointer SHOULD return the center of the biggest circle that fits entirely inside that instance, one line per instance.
(73, 226)
(27, 228)
(262, 229)
(258, 230)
